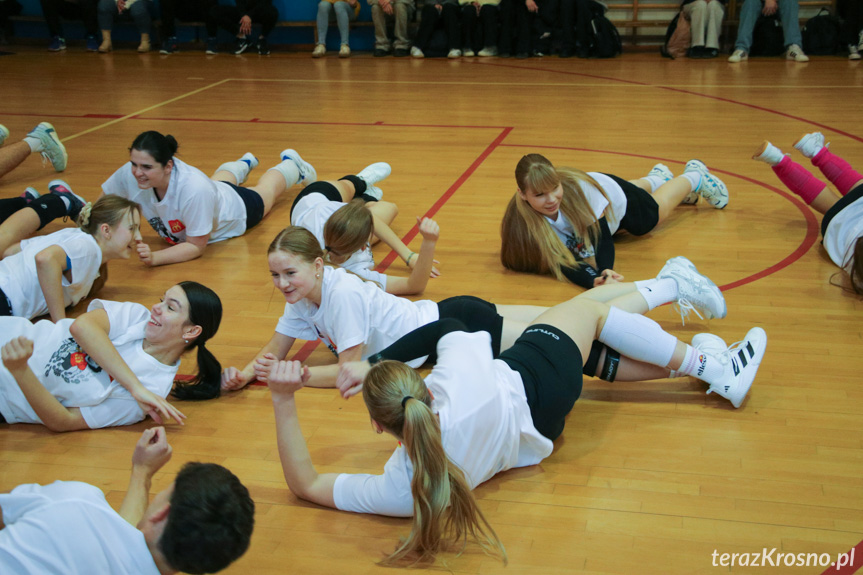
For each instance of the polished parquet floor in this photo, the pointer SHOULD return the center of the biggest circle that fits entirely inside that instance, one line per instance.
(648, 477)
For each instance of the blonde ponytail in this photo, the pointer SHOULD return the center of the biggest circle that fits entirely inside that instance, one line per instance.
(446, 515)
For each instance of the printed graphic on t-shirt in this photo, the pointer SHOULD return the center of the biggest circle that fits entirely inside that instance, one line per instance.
(327, 342)
(156, 224)
(577, 247)
(71, 363)
(176, 226)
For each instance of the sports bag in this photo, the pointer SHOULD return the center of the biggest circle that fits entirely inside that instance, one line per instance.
(821, 34)
(606, 40)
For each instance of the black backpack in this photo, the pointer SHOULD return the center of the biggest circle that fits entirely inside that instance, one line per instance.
(606, 41)
(767, 38)
(821, 34)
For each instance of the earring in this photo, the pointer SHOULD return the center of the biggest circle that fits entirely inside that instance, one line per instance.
(379, 431)
(317, 275)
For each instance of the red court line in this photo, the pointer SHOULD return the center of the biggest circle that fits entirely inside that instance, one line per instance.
(763, 109)
(812, 228)
(855, 555)
(310, 346)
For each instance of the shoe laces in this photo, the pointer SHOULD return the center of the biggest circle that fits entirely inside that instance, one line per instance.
(684, 307)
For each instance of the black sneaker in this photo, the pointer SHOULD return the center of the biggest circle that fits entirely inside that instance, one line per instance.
(76, 202)
(401, 52)
(380, 53)
(243, 44)
(169, 46)
(263, 47)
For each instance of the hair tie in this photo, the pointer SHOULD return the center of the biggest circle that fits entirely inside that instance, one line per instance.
(405, 400)
(84, 217)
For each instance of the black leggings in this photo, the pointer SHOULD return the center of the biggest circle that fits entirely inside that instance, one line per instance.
(330, 192)
(476, 314)
(48, 207)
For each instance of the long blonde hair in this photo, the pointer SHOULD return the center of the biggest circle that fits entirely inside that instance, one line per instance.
(348, 229)
(528, 242)
(445, 512)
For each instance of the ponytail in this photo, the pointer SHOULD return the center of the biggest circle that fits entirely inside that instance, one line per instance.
(445, 513)
(205, 310)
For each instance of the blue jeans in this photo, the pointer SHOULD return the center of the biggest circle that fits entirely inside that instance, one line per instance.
(751, 10)
(344, 14)
(139, 12)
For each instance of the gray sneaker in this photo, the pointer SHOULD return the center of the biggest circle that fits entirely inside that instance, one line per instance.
(52, 149)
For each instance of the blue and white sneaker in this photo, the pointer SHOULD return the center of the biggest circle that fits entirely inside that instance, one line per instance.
(4, 133)
(169, 46)
(712, 189)
(741, 361)
(57, 44)
(308, 175)
(29, 194)
(74, 201)
(695, 291)
(92, 43)
(52, 149)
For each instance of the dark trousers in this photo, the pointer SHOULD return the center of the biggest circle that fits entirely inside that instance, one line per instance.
(186, 11)
(7, 9)
(479, 30)
(851, 12)
(85, 10)
(575, 17)
(534, 28)
(431, 18)
(228, 18)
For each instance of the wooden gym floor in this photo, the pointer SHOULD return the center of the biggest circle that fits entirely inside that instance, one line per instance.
(648, 477)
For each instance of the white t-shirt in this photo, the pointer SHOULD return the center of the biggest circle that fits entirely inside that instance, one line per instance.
(194, 205)
(20, 281)
(485, 425)
(68, 527)
(843, 231)
(312, 213)
(74, 378)
(354, 312)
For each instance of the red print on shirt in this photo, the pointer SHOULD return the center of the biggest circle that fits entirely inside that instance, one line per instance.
(79, 360)
(176, 226)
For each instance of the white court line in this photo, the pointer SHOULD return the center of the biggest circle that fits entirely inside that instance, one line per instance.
(145, 110)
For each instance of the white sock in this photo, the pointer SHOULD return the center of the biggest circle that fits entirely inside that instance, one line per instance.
(239, 169)
(694, 179)
(34, 143)
(289, 170)
(655, 182)
(702, 365)
(771, 155)
(657, 292)
(637, 337)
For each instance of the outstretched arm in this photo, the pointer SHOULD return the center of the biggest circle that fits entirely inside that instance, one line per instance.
(192, 248)
(91, 331)
(151, 453)
(423, 266)
(324, 376)
(286, 377)
(53, 414)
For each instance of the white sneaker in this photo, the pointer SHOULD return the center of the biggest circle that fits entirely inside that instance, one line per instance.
(662, 171)
(741, 362)
(468, 53)
(374, 173)
(738, 56)
(319, 51)
(487, 52)
(795, 53)
(250, 157)
(853, 52)
(769, 154)
(4, 133)
(374, 192)
(712, 189)
(810, 144)
(695, 291)
(454, 53)
(308, 175)
(345, 51)
(709, 343)
(52, 149)
(416, 52)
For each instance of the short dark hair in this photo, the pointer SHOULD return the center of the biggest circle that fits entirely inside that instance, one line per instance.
(210, 522)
